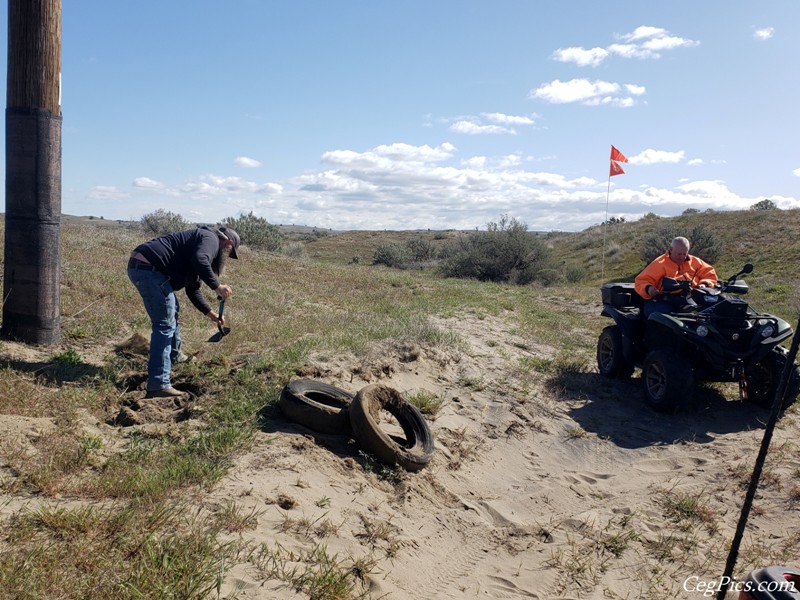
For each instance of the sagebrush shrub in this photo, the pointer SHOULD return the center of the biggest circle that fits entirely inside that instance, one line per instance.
(703, 242)
(422, 249)
(162, 221)
(392, 255)
(295, 250)
(765, 204)
(575, 273)
(256, 232)
(506, 252)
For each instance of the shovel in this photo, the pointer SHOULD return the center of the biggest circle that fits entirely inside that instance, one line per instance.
(223, 331)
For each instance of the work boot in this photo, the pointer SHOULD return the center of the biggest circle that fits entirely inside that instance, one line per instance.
(183, 358)
(169, 392)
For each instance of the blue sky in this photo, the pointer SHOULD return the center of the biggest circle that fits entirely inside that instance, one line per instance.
(427, 115)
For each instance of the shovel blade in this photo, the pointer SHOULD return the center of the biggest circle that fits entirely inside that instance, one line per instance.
(220, 334)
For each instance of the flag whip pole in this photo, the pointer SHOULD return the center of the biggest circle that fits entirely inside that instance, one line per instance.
(777, 404)
(614, 169)
(605, 225)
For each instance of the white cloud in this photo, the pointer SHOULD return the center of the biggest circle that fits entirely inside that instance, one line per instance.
(764, 33)
(504, 119)
(498, 124)
(510, 160)
(472, 128)
(648, 42)
(667, 42)
(784, 203)
(626, 50)
(336, 181)
(643, 32)
(635, 90)
(146, 182)
(652, 157)
(708, 189)
(246, 162)
(107, 192)
(479, 162)
(644, 42)
(402, 186)
(216, 185)
(796, 172)
(581, 56)
(694, 162)
(588, 92)
(389, 154)
(611, 101)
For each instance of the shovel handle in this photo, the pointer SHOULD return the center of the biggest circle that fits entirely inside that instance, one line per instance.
(219, 313)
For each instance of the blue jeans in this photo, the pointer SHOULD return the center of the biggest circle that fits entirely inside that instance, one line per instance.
(162, 307)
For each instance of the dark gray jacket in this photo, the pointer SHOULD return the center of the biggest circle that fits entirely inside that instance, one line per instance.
(185, 257)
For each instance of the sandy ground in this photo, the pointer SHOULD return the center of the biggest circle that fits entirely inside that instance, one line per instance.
(535, 490)
(531, 493)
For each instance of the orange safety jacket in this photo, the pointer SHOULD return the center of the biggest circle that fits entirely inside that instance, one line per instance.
(693, 269)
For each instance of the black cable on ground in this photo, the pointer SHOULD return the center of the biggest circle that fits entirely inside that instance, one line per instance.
(777, 403)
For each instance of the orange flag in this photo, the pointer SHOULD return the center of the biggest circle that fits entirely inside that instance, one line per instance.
(617, 156)
(615, 169)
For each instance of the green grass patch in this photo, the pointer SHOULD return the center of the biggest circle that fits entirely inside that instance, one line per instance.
(120, 552)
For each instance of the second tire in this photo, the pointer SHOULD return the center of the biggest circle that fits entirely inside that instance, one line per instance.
(412, 453)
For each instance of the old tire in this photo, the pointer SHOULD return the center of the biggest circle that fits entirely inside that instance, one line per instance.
(318, 406)
(668, 380)
(611, 361)
(765, 376)
(414, 452)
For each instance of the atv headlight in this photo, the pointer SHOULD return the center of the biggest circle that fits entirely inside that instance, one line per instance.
(768, 331)
(702, 330)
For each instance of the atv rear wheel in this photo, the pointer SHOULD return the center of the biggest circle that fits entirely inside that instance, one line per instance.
(764, 377)
(611, 361)
(668, 380)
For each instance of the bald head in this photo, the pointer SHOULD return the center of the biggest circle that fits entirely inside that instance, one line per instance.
(679, 250)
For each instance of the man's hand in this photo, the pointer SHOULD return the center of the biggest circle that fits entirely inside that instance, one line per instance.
(651, 290)
(214, 316)
(224, 291)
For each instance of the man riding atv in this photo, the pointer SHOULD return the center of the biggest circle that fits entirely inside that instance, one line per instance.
(681, 325)
(678, 264)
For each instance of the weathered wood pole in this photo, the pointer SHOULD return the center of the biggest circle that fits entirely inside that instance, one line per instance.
(31, 277)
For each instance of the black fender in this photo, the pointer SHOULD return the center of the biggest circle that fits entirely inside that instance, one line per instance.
(632, 327)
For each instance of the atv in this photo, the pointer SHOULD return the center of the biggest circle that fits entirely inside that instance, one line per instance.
(716, 336)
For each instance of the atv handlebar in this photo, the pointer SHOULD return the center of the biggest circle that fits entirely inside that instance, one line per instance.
(669, 285)
(732, 284)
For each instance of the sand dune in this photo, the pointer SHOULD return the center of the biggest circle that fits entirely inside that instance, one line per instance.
(532, 493)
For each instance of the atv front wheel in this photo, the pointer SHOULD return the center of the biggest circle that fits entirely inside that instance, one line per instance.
(668, 380)
(764, 377)
(611, 361)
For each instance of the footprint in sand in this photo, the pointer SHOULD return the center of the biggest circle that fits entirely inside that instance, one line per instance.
(508, 589)
(656, 466)
(590, 478)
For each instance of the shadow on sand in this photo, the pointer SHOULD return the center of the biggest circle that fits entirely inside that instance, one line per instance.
(616, 411)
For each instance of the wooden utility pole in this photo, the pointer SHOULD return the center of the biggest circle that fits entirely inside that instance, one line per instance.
(31, 277)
